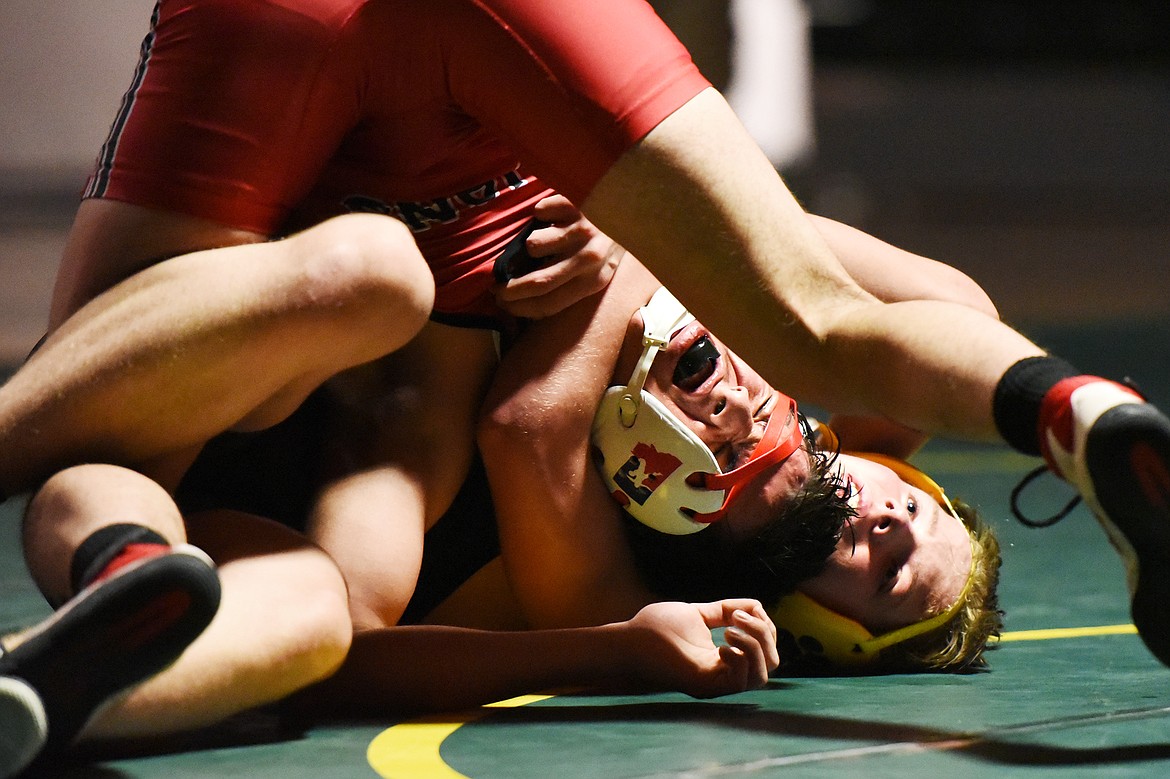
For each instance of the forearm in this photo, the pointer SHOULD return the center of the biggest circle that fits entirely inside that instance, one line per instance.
(892, 274)
(414, 669)
(564, 548)
(561, 534)
(666, 646)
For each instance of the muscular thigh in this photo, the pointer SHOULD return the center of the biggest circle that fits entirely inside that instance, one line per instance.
(414, 412)
(400, 442)
(271, 573)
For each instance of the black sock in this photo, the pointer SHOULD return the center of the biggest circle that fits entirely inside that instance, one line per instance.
(100, 549)
(1018, 396)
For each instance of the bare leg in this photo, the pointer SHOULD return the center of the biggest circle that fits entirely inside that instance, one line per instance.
(282, 622)
(78, 501)
(734, 232)
(240, 334)
(281, 626)
(405, 434)
(144, 375)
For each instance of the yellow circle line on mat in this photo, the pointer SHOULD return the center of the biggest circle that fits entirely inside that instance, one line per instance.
(411, 750)
(1041, 635)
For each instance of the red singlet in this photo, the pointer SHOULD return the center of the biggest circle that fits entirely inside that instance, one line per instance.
(272, 115)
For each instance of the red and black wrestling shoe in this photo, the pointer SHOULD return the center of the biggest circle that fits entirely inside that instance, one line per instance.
(1114, 447)
(113, 635)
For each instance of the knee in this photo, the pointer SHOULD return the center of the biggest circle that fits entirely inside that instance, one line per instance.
(319, 631)
(367, 268)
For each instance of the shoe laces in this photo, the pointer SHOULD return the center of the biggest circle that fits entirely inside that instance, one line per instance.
(1047, 521)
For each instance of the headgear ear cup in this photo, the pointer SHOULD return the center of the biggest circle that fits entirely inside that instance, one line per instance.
(644, 453)
(646, 465)
(821, 632)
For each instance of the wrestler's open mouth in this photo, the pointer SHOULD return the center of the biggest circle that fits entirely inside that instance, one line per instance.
(696, 364)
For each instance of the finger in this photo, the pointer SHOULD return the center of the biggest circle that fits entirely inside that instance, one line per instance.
(549, 290)
(753, 607)
(560, 241)
(556, 208)
(557, 300)
(533, 285)
(718, 614)
(732, 674)
(757, 610)
(762, 630)
(752, 671)
(714, 614)
(536, 283)
(753, 651)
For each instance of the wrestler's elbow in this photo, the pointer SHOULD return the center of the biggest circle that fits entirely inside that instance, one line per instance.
(503, 431)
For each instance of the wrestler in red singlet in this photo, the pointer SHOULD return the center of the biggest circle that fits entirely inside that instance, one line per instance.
(271, 115)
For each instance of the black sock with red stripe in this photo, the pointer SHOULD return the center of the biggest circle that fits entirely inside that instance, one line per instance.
(111, 548)
(1020, 395)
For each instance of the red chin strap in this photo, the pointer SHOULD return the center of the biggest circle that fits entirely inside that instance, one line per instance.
(778, 443)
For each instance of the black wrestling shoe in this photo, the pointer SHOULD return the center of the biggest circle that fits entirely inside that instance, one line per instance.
(1115, 449)
(111, 636)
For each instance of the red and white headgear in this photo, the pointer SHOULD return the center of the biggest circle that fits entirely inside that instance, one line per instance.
(654, 465)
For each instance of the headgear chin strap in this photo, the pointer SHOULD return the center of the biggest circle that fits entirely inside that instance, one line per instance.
(844, 642)
(654, 465)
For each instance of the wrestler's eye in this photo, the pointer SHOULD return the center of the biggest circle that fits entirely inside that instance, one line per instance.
(850, 494)
(696, 365)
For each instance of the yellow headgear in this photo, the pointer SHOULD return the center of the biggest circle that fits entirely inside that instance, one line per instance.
(845, 643)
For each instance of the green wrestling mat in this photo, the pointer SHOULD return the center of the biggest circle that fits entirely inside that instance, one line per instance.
(1072, 691)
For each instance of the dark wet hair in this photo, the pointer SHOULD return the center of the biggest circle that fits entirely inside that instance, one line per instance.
(793, 547)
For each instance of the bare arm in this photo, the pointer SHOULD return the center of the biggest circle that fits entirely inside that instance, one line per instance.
(700, 205)
(561, 534)
(891, 274)
(666, 646)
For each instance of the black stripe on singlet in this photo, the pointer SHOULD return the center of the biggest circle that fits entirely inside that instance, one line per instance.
(101, 177)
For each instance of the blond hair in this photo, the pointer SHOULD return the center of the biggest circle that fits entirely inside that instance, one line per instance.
(960, 644)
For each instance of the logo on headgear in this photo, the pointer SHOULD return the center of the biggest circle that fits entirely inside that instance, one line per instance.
(645, 470)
